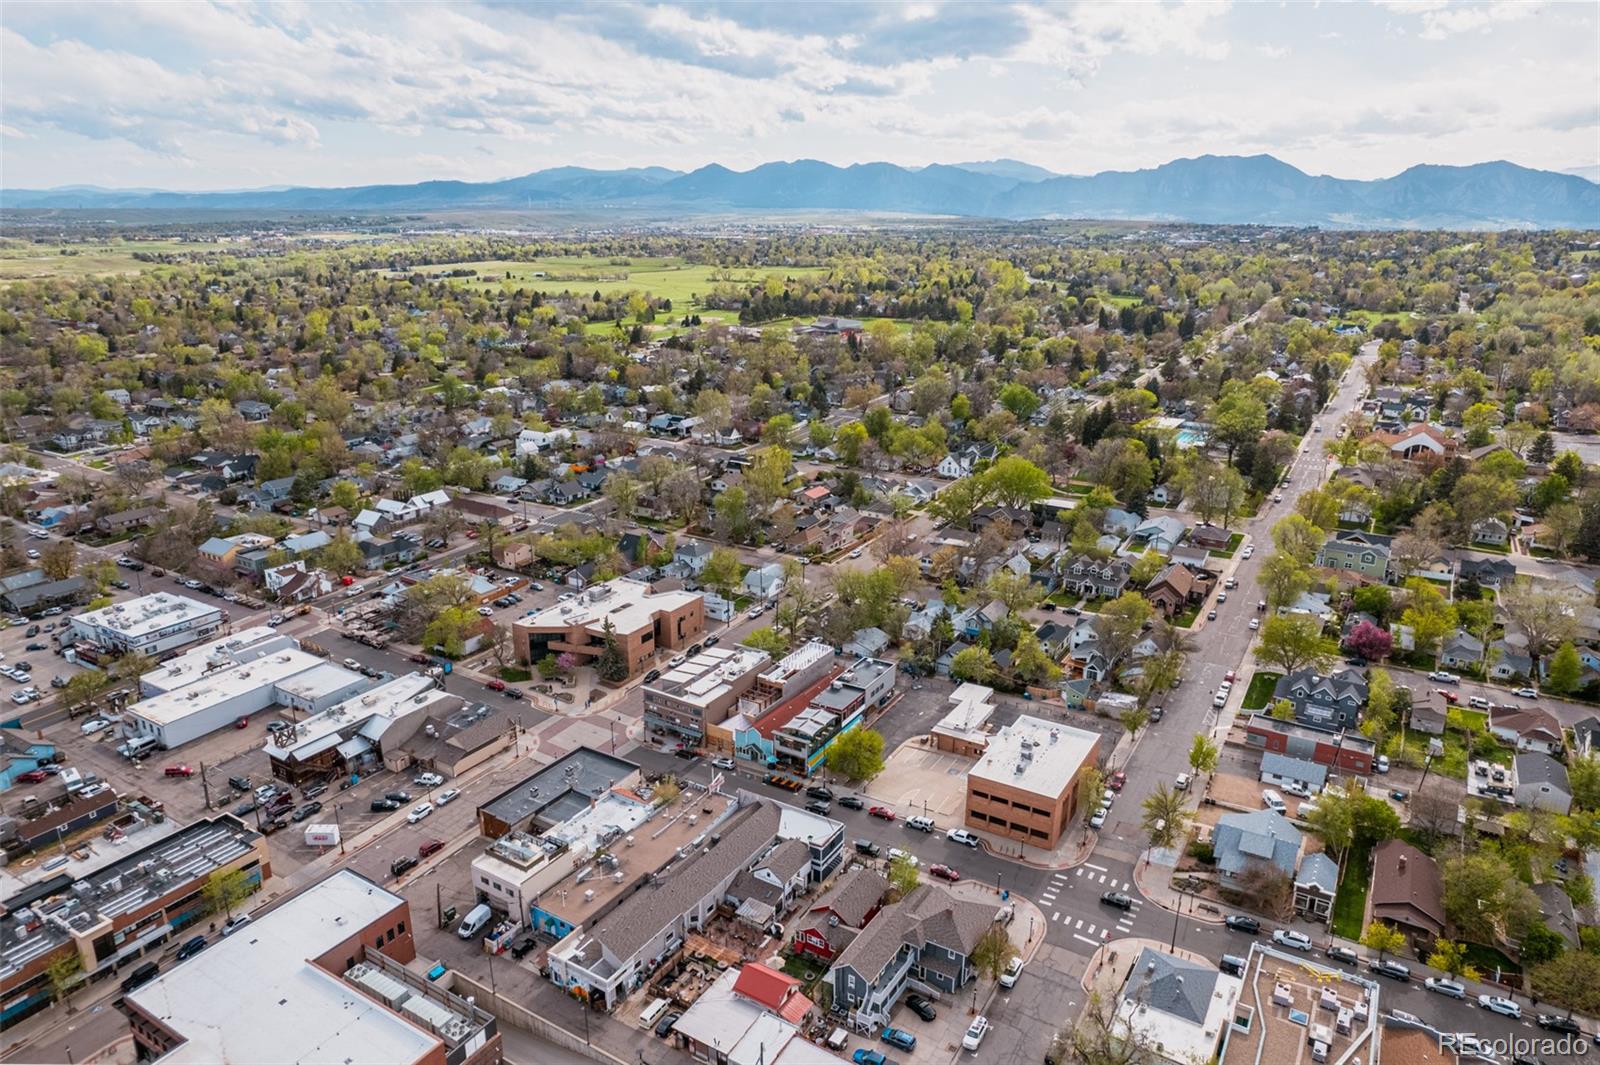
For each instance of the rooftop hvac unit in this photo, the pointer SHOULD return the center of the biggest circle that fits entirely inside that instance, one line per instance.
(455, 1029)
(588, 895)
(617, 877)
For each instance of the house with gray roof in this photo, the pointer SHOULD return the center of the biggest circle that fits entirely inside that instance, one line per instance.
(1331, 700)
(1314, 887)
(1241, 841)
(1461, 651)
(1358, 552)
(1180, 1006)
(1508, 661)
(1541, 782)
(1160, 533)
(1280, 769)
(869, 642)
(834, 920)
(928, 936)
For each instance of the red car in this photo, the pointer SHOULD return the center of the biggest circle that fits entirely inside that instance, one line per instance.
(1230, 676)
(243, 722)
(178, 771)
(422, 659)
(944, 872)
(881, 811)
(495, 685)
(1450, 697)
(32, 776)
(433, 846)
(472, 534)
(1118, 779)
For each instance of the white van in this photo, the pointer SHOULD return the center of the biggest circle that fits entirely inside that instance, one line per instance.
(474, 921)
(652, 1013)
(138, 747)
(1272, 801)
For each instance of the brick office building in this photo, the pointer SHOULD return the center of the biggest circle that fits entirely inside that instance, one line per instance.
(642, 621)
(1025, 786)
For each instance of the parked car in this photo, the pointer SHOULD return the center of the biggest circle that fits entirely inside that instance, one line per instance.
(446, 797)
(961, 836)
(1098, 821)
(1013, 971)
(1554, 1022)
(1239, 922)
(653, 675)
(93, 725)
(233, 924)
(664, 1025)
(1444, 677)
(1286, 937)
(895, 854)
(1525, 693)
(1118, 781)
(900, 1040)
(190, 948)
(818, 791)
(1392, 969)
(306, 811)
(401, 865)
(1342, 954)
(1442, 986)
(178, 771)
(881, 812)
(239, 783)
(427, 780)
(975, 1033)
(723, 763)
(944, 872)
(867, 1056)
(921, 1007)
(820, 806)
(432, 846)
(419, 812)
(1501, 1005)
(521, 948)
(852, 802)
(384, 805)
(495, 685)
(401, 797)
(867, 847)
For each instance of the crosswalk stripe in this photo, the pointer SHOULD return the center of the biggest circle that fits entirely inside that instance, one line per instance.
(1078, 923)
(1085, 939)
(1056, 916)
(1090, 930)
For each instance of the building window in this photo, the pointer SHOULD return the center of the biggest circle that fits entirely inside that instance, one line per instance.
(402, 927)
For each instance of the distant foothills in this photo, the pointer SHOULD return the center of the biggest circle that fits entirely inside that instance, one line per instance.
(1209, 189)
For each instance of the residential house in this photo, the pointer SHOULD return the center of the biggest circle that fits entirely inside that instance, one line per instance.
(1119, 522)
(398, 551)
(1461, 651)
(1488, 572)
(1509, 661)
(1088, 576)
(1558, 912)
(920, 624)
(294, 583)
(941, 665)
(1178, 1007)
(1541, 782)
(1359, 552)
(218, 553)
(1315, 886)
(1586, 735)
(768, 889)
(1209, 537)
(1407, 890)
(1312, 604)
(870, 642)
(1490, 531)
(1278, 770)
(1326, 701)
(1421, 443)
(960, 462)
(763, 582)
(1430, 714)
(978, 619)
(928, 936)
(1196, 560)
(1243, 841)
(253, 410)
(834, 920)
(1173, 589)
(1527, 728)
(1160, 533)
(126, 520)
(689, 557)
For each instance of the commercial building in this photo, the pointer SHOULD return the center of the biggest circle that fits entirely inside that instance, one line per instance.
(609, 953)
(150, 625)
(109, 918)
(556, 793)
(641, 621)
(246, 645)
(365, 729)
(322, 976)
(703, 691)
(793, 733)
(30, 592)
(1026, 784)
(751, 1014)
(964, 730)
(218, 700)
(1339, 749)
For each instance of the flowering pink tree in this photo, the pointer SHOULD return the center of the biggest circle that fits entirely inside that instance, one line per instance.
(1369, 641)
(567, 661)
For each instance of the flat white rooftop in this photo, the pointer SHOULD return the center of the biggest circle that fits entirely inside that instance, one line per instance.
(971, 706)
(1034, 755)
(709, 675)
(320, 680)
(798, 660)
(378, 707)
(255, 996)
(629, 605)
(213, 655)
(611, 814)
(227, 684)
(148, 614)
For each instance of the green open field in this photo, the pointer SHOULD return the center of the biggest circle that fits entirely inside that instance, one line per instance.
(664, 278)
(21, 261)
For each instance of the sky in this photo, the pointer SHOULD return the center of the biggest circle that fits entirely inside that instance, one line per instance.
(213, 96)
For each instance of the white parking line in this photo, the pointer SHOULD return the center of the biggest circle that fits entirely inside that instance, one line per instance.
(1086, 939)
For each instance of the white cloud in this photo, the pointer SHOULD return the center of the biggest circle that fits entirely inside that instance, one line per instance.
(210, 95)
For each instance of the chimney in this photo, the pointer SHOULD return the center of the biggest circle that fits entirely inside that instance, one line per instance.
(1402, 869)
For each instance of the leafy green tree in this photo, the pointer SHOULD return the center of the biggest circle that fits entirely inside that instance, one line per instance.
(973, 664)
(1583, 775)
(1164, 816)
(1016, 482)
(346, 494)
(1091, 785)
(1450, 956)
(1565, 670)
(341, 556)
(903, 879)
(223, 890)
(1202, 754)
(1031, 663)
(767, 639)
(1539, 944)
(993, 951)
(548, 667)
(857, 755)
(1020, 400)
(1295, 641)
(1238, 418)
(65, 973)
(722, 571)
(1284, 579)
(1383, 938)
(1571, 981)
(1298, 538)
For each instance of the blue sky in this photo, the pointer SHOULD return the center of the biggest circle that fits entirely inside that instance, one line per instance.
(196, 96)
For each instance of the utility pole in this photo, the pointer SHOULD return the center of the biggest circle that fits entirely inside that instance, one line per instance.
(205, 788)
(438, 902)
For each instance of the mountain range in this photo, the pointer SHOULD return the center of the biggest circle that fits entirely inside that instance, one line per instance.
(1208, 189)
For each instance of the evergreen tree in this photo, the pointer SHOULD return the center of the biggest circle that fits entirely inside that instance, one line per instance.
(611, 666)
(1543, 448)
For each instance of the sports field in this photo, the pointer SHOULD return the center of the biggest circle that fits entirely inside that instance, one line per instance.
(663, 278)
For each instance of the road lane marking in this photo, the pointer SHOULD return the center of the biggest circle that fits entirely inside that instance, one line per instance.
(1086, 939)
(1056, 916)
(1096, 868)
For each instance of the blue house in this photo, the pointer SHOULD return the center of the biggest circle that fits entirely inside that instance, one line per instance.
(20, 753)
(1241, 841)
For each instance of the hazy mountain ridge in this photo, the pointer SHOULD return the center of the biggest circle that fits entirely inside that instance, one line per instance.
(1217, 189)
